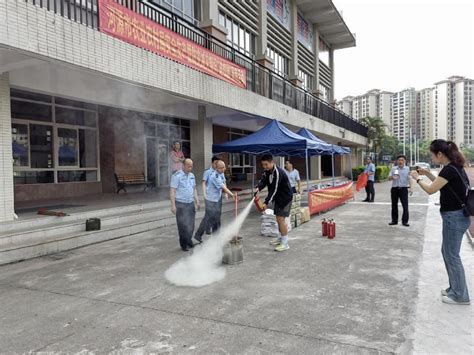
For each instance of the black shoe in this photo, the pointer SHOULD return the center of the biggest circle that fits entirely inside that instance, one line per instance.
(366, 200)
(208, 232)
(393, 223)
(185, 249)
(190, 246)
(406, 224)
(371, 201)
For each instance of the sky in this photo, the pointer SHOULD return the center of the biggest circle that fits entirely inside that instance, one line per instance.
(404, 43)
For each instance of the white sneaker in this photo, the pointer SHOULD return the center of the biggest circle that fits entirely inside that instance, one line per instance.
(282, 247)
(444, 292)
(448, 300)
(275, 241)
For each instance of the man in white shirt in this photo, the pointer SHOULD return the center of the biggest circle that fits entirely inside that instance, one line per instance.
(293, 176)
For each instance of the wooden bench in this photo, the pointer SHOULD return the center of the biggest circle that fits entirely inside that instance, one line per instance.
(124, 180)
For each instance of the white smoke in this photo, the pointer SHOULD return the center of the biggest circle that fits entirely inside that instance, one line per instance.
(204, 266)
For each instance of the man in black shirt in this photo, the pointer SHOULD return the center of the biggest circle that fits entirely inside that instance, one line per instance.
(280, 193)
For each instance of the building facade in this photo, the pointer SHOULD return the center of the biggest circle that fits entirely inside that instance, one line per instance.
(403, 118)
(453, 99)
(86, 94)
(424, 128)
(374, 103)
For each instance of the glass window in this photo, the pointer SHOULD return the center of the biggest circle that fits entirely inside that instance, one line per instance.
(178, 4)
(73, 103)
(77, 176)
(75, 117)
(188, 8)
(162, 131)
(221, 19)
(41, 146)
(26, 95)
(150, 129)
(247, 42)
(323, 52)
(242, 38)
(33, 177)
(67, 147)
(20, 145)
(88, 148)
(235, 34)
(31, 111)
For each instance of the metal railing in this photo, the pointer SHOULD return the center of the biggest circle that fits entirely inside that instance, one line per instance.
(260, 79)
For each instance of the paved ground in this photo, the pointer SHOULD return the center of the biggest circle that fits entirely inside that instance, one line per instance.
(359, 293)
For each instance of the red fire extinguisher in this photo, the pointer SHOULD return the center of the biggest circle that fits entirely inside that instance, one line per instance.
(331, 229)
(324, 223)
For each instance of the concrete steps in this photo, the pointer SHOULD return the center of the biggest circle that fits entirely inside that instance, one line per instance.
(26, 239)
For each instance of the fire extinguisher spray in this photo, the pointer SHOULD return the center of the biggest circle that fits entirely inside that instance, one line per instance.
(331, 229)
(324, 225)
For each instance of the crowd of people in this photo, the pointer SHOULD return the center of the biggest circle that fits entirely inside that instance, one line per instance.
(452, 182)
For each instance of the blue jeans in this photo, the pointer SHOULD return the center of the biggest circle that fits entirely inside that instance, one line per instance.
(455, 224)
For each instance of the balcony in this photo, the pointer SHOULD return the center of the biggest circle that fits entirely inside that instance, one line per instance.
(260, 79)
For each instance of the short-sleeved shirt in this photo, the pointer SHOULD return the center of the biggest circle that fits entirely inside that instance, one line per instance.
(404, 176)
(205, 176)
(293, 176)
(215, 182)
(184, 185)
(370, 168)
(176, 155)
(447, 199)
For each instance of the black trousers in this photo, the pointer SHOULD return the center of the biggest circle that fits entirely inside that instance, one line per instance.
(402, 194)
(185, 215)
(212, 218)
(369, 189)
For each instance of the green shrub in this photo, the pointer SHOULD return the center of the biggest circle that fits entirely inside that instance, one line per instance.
(356, 171)
(381, 173)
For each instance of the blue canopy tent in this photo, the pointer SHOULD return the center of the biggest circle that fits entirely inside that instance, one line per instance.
(278, 140)
(335, 149)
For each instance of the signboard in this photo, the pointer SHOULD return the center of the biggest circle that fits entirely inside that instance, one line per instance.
(280, 10)
(326, 199)
(142, 32)
(305, 32)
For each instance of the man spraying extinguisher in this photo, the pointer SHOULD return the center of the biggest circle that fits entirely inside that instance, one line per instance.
(279, 193)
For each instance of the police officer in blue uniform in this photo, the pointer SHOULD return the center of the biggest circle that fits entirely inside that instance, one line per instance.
(215, 186)
(184, 202)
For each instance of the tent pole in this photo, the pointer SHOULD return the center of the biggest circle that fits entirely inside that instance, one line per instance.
(350, 165)
(254, 170)
(333, 172)
(307, 175)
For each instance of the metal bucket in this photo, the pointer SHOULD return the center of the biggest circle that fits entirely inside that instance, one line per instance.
(234, 252)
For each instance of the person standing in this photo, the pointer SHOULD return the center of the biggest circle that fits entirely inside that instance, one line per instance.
(401, 186)
(176, 157)
(453, 184)
(293, 176)
(279, 193)
(215, 186)
(205, 178)
(184, 203)
(369, 188)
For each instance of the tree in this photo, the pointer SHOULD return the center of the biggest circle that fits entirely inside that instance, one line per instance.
(375, 134)
(390, 146)
(468, 154)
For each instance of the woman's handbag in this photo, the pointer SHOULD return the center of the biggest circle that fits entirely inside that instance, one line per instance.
(468, 202)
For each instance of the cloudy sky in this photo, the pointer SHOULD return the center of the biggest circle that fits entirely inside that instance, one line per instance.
(403, 43)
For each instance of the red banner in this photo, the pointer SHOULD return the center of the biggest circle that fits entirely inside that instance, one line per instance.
(142, 32)
(326, 199)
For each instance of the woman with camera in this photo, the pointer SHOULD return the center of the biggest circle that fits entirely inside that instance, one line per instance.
(453, 184)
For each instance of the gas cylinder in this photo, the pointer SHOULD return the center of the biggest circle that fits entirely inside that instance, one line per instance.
(331, 229)
(324, 224)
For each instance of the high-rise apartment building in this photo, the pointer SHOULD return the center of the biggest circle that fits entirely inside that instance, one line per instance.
(374, 103)
(424, 127)
(403, 105)
(453, 100)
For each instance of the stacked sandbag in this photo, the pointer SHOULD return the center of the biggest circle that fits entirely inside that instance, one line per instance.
(269, 226)
(295, 213)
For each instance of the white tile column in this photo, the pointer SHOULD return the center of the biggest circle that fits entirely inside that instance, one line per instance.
(201, 143)
(6, 158)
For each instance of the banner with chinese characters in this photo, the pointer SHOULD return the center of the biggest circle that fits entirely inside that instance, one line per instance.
(326, 199)
(305, 32)
(142, 32)
(280, 10)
